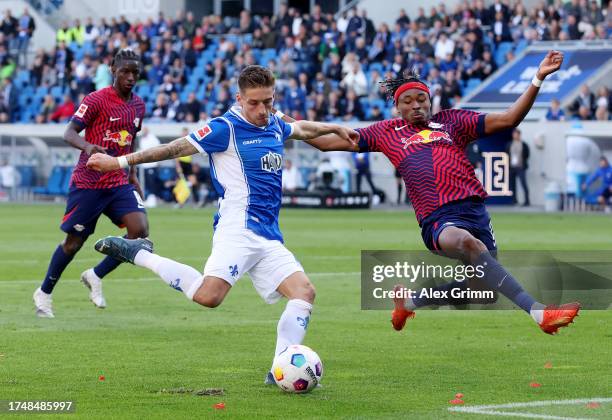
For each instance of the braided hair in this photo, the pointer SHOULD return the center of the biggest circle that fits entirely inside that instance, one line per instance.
(126, 54)
(392, 85)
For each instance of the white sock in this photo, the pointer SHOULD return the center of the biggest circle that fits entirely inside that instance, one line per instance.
(179, 276)
(537, 312)
(292, 324)
(409, 304)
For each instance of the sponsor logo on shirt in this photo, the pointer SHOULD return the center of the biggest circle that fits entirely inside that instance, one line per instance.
(81, 111)
(122, 138)
(272, 162)
(426, 136)
(254, 141)
(200, 133)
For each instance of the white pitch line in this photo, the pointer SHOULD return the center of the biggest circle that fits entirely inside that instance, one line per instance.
(312, 257)
(133, 279)
(492, 409)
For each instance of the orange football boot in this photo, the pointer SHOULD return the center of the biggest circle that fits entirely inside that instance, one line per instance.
(556, 317)
(400, 314)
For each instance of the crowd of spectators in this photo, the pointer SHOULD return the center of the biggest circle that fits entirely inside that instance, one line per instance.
(327, 68)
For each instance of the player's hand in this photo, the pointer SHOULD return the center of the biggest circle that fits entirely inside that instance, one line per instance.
(90, 149)
(348, 134)
(103, 163)
(550, 64)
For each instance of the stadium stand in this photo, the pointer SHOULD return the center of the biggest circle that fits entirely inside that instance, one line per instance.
(183, 55)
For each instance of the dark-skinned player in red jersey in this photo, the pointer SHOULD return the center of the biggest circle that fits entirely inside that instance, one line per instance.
(111, 118)
(429, 153)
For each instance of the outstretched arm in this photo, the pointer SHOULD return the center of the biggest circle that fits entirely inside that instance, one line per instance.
(176, 148)
(513, 116)
(327, 142)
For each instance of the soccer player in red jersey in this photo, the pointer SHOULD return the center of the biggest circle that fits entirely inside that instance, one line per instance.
(429, 153)
(111, 116)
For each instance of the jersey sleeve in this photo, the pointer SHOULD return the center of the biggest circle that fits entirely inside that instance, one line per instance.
(87, 111)
(369, 136)
(468, 125)
(286, 128)
(211, 138)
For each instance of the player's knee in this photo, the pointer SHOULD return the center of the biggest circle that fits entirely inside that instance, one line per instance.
(471, 246)
(71, 246)
(141, 231)
(210, 300)
(305, 292)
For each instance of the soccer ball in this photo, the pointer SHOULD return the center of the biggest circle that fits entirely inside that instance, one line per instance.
(297, 369)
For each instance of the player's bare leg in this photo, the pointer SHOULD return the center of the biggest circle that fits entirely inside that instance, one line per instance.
(137, 227)
(294, 320)
(212, 292)
(461, 244)
(62, 256)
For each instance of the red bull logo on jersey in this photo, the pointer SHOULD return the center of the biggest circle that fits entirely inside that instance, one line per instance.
(426, 136)
(122, 138)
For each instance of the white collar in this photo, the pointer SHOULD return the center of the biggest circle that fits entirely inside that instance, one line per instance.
(237, 111)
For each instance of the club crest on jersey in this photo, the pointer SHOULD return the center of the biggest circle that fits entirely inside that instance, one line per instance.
(136, 121)
(200, 133)
(272, 162)
(426, 136)
(81, 111)
(435, 125)
(122, 138)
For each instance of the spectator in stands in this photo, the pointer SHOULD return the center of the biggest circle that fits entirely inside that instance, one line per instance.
(174, 108)
(352, 109)
(91, 32)
(605, 190)
(160, 111)
(157, 71)
(602, 113)
(190, 109)
(555, 113)
(451, 91)
(25, 30)
(334, 108)
(46, 109)
(356, 80)
(444, 46)
(376, 114)
(488, 66)
(292, 180)
(501, 30)
(361, 162)
(603, 98)
(9, 178)
(64, 111)
(102, 77)
(152, 185)
(8, 27)
(334, 69)
(8, 101)
(585, 99)
(518, 151)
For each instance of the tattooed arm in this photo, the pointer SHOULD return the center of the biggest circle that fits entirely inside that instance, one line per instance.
(175, 149)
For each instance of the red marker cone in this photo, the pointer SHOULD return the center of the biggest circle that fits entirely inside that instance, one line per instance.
(459, 395)
(101, 378)
(535, 385)
(593, 404)
(219, 406)
(456, 401)
(547, 365)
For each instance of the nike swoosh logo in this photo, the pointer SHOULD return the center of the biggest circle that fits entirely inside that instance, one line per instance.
(115, 119)
(399, 128)
(502, 281)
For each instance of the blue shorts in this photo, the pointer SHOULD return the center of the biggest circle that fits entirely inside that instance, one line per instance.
(85, 206)
(469, 214)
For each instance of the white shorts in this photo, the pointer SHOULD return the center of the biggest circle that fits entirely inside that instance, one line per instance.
(267, 262)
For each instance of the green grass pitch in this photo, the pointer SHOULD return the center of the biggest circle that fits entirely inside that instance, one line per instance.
(150, 338)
